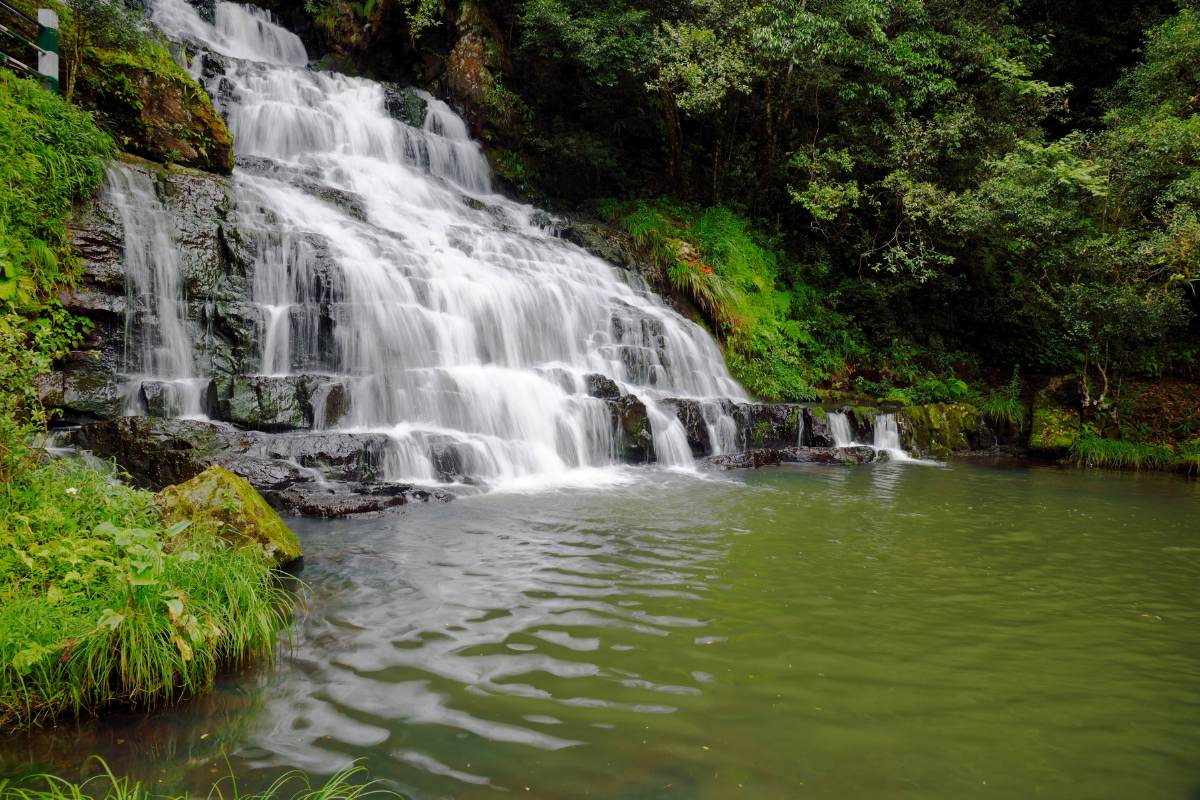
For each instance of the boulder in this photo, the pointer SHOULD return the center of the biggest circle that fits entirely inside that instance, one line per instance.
(268, 403)
(602, 386)
(940, 429)
(227, 504)
(153, 108)
(84, 390)
(404, 104)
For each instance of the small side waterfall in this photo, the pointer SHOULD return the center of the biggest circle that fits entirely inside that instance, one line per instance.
(887, 438)
(158, 346)
(839, 428)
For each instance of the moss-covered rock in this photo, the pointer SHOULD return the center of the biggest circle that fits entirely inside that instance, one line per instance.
(154, 108)
(1056, 423)
(228, 503)
(940, 429)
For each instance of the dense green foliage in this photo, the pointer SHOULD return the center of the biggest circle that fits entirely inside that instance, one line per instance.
(100, 602)
(51, 154)
(344, 785)
(911, 169)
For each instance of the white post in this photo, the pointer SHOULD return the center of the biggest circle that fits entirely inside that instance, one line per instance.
(48, 46)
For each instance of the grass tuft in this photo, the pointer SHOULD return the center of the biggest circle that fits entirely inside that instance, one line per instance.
(348, 784)
(101, 605)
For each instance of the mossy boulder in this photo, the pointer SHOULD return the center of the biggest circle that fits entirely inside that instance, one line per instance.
(940, 429)
(154, 108)
(219, 499)
(1056, 423)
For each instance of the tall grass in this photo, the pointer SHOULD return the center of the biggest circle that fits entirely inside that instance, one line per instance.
(344, 785)
(100, 605)
(1003, 407)
(1093, 450)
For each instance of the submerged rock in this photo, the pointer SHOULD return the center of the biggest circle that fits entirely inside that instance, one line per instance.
(349, 500)
(227, 503)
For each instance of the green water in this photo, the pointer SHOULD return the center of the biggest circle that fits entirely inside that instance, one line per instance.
(886, 631)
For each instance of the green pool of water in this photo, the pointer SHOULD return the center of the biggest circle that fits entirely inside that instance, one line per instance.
(885, 631)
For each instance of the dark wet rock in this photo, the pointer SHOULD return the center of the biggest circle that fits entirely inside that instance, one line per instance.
(770, 425)
(602, 386)
(268, 403)
(816, 428)
(633, 437)
(85, 389)
(355, 457)
(163, 398)
(349, 500)
(404, 104)
(690, 414)
(321, 474)
(205, 8)
(768, 456)
(158, 452)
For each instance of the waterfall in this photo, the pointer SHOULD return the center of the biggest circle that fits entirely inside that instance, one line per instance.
(887, 437)
(158, 346)
(839, 428)
(452, 318)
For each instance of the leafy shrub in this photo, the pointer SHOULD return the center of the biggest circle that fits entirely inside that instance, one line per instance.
(1003, 407)
(99, 604)
(51, 154)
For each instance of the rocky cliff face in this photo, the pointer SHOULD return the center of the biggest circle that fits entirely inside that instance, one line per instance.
(275, 430)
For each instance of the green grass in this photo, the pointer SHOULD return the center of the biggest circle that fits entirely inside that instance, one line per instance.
(51, 154)
(780, 337)
(1093, 450)
(345, 785)
(101, 605)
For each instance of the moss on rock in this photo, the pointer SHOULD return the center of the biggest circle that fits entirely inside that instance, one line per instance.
(1055, 424)
(940, 428)
(219, 499)
(154, 108)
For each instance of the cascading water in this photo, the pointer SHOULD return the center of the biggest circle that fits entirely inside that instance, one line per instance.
(158, 347)
(451, 317)
(839, 428)
(887, 437)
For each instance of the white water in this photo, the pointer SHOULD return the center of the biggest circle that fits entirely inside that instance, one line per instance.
(887, 438)
(839, 428)
(456, 317)
(158, 346)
